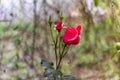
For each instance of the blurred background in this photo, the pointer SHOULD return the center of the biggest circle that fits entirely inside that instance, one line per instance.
(25, 40)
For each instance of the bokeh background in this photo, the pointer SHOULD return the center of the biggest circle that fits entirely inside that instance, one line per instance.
(25, 39)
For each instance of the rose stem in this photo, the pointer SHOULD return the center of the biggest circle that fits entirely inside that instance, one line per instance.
(61, 56)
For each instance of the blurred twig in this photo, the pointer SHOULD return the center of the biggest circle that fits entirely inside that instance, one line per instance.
(34, 32)
(5, 20)
(114, 16)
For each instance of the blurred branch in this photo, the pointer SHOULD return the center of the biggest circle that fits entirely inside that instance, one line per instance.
(53, 8)
(34, 31)
(114, 16)
(5, 20)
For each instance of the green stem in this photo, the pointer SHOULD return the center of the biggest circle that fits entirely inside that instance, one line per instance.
(52, 34)
(59, 42)
(55, 44)
(61, 57)
(56, 56)
(66, 52)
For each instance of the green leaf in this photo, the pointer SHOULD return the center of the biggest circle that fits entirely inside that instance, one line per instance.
(46, 63)
(96, 2)
(53, 78)
(48, 72)
(57, 73)
(52, 72)
(69, 77)
(50, 78)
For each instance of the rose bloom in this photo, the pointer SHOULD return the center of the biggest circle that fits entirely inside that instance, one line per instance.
(59, 26)
(71, 35)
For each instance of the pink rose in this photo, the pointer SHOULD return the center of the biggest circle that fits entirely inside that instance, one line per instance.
(71, 35)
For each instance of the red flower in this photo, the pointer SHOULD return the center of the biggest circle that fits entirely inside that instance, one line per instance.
(71, 35)
(59, 26)
(79, 28)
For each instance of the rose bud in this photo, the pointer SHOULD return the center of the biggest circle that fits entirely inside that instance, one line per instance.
(59, 26)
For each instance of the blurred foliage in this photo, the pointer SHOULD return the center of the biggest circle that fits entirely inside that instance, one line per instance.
(53, 74)
(95, 49)
(96, 2)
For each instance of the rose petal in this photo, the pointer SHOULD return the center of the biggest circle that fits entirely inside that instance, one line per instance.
(76, 41)
(70, 35)
(79, 27)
